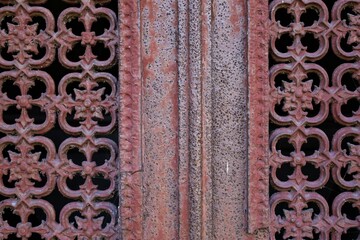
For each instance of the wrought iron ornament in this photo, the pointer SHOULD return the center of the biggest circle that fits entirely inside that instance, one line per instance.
(83, 104)
(315, 115)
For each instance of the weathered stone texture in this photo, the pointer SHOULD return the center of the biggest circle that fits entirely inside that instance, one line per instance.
(229, 130)
(195, 138)
(160, 119)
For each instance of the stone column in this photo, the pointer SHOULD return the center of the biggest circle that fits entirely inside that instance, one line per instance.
(193, 167)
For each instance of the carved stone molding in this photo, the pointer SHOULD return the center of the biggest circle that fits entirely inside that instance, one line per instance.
(258, 164)
(130, 121)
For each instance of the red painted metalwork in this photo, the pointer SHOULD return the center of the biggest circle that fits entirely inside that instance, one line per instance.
(84, 106)
(314, 80)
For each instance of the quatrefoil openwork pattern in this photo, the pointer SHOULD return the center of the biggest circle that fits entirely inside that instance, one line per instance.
(315, 116)
(58, 107)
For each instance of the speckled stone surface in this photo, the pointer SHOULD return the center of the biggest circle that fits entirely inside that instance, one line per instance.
(160, 120)
(229, 119)
(194, 121)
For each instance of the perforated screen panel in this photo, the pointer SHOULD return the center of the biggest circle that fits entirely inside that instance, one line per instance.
(314, 125)
(58, 119)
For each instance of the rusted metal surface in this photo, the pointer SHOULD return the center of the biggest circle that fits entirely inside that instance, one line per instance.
(315, 110)
(85, 108)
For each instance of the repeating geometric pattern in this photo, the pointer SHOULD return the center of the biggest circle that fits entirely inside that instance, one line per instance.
(83, 104)
(315, 95)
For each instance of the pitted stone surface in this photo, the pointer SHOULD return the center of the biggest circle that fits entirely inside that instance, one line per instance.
(229, 76)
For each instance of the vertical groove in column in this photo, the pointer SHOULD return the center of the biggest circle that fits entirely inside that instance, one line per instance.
(195, 118)
(184, 120)
(206, 140)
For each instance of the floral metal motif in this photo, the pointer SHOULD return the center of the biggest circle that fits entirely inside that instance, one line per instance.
(21, 37)
(298, 222)
(24, 165)
(87, 14)
(84, 105)
(354, 34)
(88, 103)
(306, 96)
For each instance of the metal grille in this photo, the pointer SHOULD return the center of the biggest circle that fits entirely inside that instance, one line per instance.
(58, 119)
(315, 134)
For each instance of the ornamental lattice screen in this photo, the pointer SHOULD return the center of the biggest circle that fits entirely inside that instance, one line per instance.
(314, 112)
(58, 119)
(186, 132)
